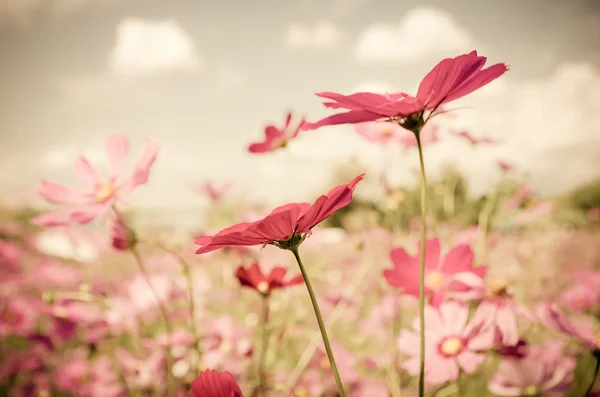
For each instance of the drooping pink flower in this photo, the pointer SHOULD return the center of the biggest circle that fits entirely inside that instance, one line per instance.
(536, 374)
(211, 383)
(276, 138)
(497, 308)
(451, 343)
(450, 79)
(99, 195)
(473, 140)
(254, 278)
(122, 236)
(583, 331)
(438, 273)
(285, 223)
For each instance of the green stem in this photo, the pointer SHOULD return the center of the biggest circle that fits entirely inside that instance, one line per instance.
(589, 390)
(164, 313)
(422, 267)
(315, 305)
(262, 373)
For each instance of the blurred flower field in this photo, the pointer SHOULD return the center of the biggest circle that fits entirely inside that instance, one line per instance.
(94, 301)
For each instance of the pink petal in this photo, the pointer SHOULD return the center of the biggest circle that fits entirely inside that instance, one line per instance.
(469, 361)
(432, 254)
(454, 316)
(459, 259)
(262, 147)
(117, 149)
(409, 343)
(477, 81)
(440, 369)
(86, 174)
(506, 320)
(351, 117)
(53, 219)
(141, 170)
(58, 194)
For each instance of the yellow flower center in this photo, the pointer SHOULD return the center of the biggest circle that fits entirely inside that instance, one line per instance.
(452, 346)
(387, 132)
(497, 287)
(324, 362)
(301, 391)
(105, 192)
(226, 346)
(434, 280)
(263, 287)
(531, 390)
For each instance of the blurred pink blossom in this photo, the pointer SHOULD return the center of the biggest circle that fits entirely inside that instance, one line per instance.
(276, 138)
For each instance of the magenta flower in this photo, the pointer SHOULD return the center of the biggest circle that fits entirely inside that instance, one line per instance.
(438, 273)
(286, 225)
(451, 343)
(583, 331)
(496, 308)
(211, 383)
(99, 194)
(276, 138)
(473, 140)
(537, 374)
(450, 79)
(254, 278)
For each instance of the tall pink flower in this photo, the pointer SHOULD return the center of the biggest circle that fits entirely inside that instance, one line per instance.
(211, 383)
(496, 308)
(99, 194)
(451, 344)
(536, 374)
(438, 273)
(285, 226)
(450, 79)
(276, 138)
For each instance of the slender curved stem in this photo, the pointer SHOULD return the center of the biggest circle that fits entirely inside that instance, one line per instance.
(164, 313)
(422, 267)
(315, 304)
(589, 390)
(264, 324)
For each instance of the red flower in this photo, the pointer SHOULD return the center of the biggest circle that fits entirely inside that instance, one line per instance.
(276, 138)
(211, 383)
(286, 226)
(254, 278)
(450, 79)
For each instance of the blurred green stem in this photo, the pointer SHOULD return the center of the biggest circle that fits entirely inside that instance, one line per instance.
(315, 305)
(422, 266)
(484, 224)
(264, 344)
(589, 390)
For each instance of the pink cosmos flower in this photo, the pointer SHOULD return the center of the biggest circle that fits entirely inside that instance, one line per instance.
(254, 278)
(496, 308)
(438, 274)
(554, 318)
(213, 191)
(68, 315)
(285, 223)
(450, 79)
(146, 371)
(537, 374)
(99, 194)
(211, 383)
(10, 255)
(276, 138)
(18, 316)
(382, 133)
(451, 343)
(224, 344)
(473, 140)
(580, 298)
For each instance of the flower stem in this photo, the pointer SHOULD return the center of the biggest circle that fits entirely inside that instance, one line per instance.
(589, 390)
(422, 267)
(262, 374)
(163, 311)
(315, 304)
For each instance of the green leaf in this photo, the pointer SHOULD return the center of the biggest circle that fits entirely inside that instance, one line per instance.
(584, 375)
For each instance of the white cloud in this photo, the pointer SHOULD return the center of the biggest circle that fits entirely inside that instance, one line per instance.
(422, 32)
(229, 75)
(323, 35)
(148, 47)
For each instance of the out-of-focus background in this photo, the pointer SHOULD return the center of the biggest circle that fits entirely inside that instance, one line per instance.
(202, 78)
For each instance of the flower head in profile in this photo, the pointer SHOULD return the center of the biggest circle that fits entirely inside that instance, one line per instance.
(98, 194)
(123, 237)
(276, 138)
(542, 372)
(451, 343)
(254, 278)
(583, 331)
(473, 140)
(211, 383)
(450, 79)
(286, 226)
(439, 274)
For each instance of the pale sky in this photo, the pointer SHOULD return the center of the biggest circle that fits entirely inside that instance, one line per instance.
(202, 78)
